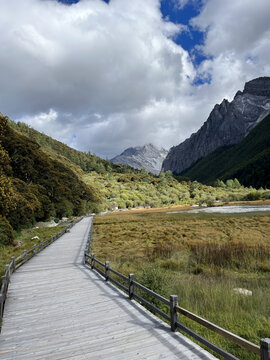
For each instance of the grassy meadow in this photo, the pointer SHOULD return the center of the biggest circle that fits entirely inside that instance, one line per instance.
(201, 258)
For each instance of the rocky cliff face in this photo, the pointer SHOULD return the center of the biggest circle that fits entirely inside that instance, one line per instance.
(227, 124)
(147, 156)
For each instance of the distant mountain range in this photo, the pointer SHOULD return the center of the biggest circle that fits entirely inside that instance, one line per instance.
(228, 124)
(147, 156)
(248, 161)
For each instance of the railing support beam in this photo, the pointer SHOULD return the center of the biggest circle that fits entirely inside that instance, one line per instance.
(173, 311)
(2, 300)
(25, 255)
(107, 270)
(265, 349)
(92, 261)
(13, 265)
(131, 286)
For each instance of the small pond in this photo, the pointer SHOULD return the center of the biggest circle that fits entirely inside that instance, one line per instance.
(227, 209)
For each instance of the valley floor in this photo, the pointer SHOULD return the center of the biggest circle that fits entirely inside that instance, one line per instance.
(202, 258)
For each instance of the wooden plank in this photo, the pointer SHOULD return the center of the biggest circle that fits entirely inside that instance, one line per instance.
(59, 309)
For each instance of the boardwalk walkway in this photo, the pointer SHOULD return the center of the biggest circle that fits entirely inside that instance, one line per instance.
(57, 309)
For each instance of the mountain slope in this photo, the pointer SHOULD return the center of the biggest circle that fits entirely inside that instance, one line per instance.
(33, 186)
(147, 156)
(248, 161)
(68, 156)
(227, 124)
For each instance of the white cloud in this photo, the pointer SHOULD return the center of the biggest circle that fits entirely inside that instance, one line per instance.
(180, 4)
(40, 119)
(104, 77)
(237, 41)
(235, 26)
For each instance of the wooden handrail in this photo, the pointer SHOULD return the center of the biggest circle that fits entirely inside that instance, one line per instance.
(219, 330)
(152, 293)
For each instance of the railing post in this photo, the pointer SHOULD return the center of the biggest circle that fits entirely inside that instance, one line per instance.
(7, 271)
(265, 349)
(2, 299)
(173, 304)
(13, 265)
(4, 286)
(92, 261)
(25, 255)
(35, 249)
(107, 270)
(131, 286)
(41, 245)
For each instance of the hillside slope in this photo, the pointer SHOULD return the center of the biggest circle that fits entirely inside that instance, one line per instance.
(248, 161)
(68, 156)
(33, 186)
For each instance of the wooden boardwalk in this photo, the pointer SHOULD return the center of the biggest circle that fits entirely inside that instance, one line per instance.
(59, 309)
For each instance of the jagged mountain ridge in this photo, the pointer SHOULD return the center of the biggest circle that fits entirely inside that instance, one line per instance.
(227, 124)
(248, 161)
(147, 156)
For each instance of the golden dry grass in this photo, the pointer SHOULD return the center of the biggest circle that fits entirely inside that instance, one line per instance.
(200, 257)
(146, 236)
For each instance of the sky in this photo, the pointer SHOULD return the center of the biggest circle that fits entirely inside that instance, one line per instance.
(102, 76)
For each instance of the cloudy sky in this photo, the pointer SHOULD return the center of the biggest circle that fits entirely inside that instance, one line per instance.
(105, 75)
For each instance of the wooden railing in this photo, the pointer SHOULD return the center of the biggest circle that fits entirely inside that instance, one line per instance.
(23, 258)
(131, 287)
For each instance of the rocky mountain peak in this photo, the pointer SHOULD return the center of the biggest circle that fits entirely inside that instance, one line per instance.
(148, 156)
(227, 124)
(258, 87)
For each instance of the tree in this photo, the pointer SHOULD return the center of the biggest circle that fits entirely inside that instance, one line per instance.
(7, 194)
(219, 183)
(6, 232)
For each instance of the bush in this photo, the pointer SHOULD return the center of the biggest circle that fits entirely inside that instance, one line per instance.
(6, 232)
(154, 278)
(252, 196)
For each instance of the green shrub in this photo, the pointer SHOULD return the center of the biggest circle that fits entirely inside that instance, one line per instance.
(6, 232)
(253, 196)
(154, 278)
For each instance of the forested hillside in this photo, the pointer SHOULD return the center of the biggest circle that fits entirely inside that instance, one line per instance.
(248, 161)
(86, 161)
(33, 186)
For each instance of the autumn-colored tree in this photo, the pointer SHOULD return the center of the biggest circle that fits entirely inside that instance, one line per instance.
(4, 158)
(3, 124)
(6, 232)
(7, 194)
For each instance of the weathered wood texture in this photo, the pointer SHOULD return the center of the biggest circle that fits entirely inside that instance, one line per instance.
(58, 309)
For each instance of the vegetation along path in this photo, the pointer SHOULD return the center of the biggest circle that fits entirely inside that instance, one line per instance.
(59, 309)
